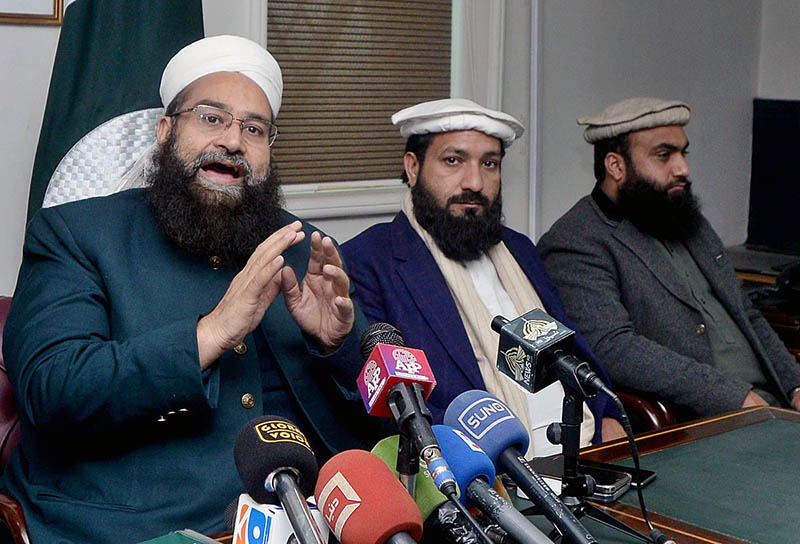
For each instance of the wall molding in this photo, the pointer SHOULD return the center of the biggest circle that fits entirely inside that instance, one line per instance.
(350, 199)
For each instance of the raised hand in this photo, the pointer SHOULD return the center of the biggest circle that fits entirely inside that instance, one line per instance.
(321, 305)
(249, 295)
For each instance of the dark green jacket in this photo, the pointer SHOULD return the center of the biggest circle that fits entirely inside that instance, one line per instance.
(123, 438)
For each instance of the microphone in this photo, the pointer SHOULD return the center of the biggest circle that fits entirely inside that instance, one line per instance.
(532, 352)
(254, 523)
(474, 472)
(395, 382)
(426, 495)
(490, 423)
(276, 463)
(363, 503)
(443, 521)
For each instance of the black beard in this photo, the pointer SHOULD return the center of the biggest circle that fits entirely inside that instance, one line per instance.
(461, 238)
(206, 222)
(655, 212)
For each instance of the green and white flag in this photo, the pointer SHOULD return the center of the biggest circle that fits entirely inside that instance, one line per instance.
(109, 61)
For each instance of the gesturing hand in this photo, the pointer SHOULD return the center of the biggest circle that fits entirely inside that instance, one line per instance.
(321, 305)
(249, 295)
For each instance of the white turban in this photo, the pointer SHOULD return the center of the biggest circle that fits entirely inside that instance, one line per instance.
(223, 54)
(457, 114)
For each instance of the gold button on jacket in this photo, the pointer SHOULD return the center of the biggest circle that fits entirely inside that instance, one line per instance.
(248, 400)
(240, 348)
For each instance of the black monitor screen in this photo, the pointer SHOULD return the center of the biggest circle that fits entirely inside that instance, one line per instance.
(774, 222)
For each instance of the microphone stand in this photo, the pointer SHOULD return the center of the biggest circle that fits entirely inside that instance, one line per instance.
(401, 403)
(576, 486)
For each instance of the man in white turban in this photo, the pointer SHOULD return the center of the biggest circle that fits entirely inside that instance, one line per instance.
(148, 327)
(446, 265)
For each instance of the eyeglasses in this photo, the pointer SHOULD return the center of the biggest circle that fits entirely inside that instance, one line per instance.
(214, 121)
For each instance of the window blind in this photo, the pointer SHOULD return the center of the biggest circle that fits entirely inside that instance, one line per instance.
(347, 66)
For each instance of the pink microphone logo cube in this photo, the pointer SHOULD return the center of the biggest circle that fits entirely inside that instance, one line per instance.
(387, 366)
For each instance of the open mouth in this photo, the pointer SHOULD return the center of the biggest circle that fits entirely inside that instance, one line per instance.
(222, 172)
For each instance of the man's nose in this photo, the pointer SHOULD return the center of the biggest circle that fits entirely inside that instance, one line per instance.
(473, 178)
(681, 169)
(231, 138)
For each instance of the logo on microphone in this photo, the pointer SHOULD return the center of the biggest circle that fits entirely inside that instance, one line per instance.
(278, 430)
(472, 445)
(266, 523)
(338, 501)
(405, 361)
(534, 328)
(483, 415)
(372, 377)
(519, 363)
(253, 525)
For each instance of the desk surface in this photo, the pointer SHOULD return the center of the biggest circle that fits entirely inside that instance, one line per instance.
(720, 480)
(679, 505)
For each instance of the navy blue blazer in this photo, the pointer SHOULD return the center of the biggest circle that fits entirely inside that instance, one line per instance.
(397, 281)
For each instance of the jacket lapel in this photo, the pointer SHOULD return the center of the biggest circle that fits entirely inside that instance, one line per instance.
(645, 248)
(429, 292)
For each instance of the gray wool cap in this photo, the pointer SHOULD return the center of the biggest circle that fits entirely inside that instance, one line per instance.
(633, 114)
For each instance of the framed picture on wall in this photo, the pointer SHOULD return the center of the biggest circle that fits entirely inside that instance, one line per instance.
(31, 12)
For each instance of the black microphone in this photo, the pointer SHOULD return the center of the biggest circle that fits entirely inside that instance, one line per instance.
(395, 382)
(495, 428)
(276, 463)
(534, 352)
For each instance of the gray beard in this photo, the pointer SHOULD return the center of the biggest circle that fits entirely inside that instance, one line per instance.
(203, 218)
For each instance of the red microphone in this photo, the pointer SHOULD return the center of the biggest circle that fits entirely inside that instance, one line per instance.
(395, 382)
(388, 364)
(363, 502)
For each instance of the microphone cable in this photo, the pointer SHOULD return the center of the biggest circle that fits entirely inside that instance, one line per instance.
(657, 536)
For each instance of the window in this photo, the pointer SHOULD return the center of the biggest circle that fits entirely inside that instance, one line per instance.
(348, 65)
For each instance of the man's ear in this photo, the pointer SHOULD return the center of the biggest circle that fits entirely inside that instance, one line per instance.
(616, 168)
(163, 129)
(411, 164)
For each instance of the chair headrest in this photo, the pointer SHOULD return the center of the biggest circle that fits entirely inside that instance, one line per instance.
(110, 158)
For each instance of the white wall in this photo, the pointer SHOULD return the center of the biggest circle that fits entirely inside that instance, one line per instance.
(26, 58)
(778, 68)
(703, 52)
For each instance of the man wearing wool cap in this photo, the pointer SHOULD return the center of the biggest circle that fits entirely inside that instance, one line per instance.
(445, 266)
(647, 280)
(148, 327)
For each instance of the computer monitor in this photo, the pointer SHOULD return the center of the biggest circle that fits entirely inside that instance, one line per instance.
(774, 218)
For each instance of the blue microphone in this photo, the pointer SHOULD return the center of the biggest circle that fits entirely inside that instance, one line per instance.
(486, 420)
(474, 473)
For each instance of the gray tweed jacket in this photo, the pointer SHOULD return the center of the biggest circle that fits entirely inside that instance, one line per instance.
(638, 315)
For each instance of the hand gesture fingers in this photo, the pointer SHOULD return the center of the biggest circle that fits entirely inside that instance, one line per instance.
(321, 305)
(248, 296)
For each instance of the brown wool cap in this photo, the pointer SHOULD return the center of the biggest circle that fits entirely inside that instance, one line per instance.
(633, 114)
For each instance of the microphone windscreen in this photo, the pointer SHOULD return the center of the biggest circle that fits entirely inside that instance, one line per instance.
(363, 502)
(487, 421)
(266, 444)
(230, 514)
(379, 333)
(426, 494)
(465, 458)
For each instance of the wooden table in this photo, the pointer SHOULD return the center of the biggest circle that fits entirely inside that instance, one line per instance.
(681, 532)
